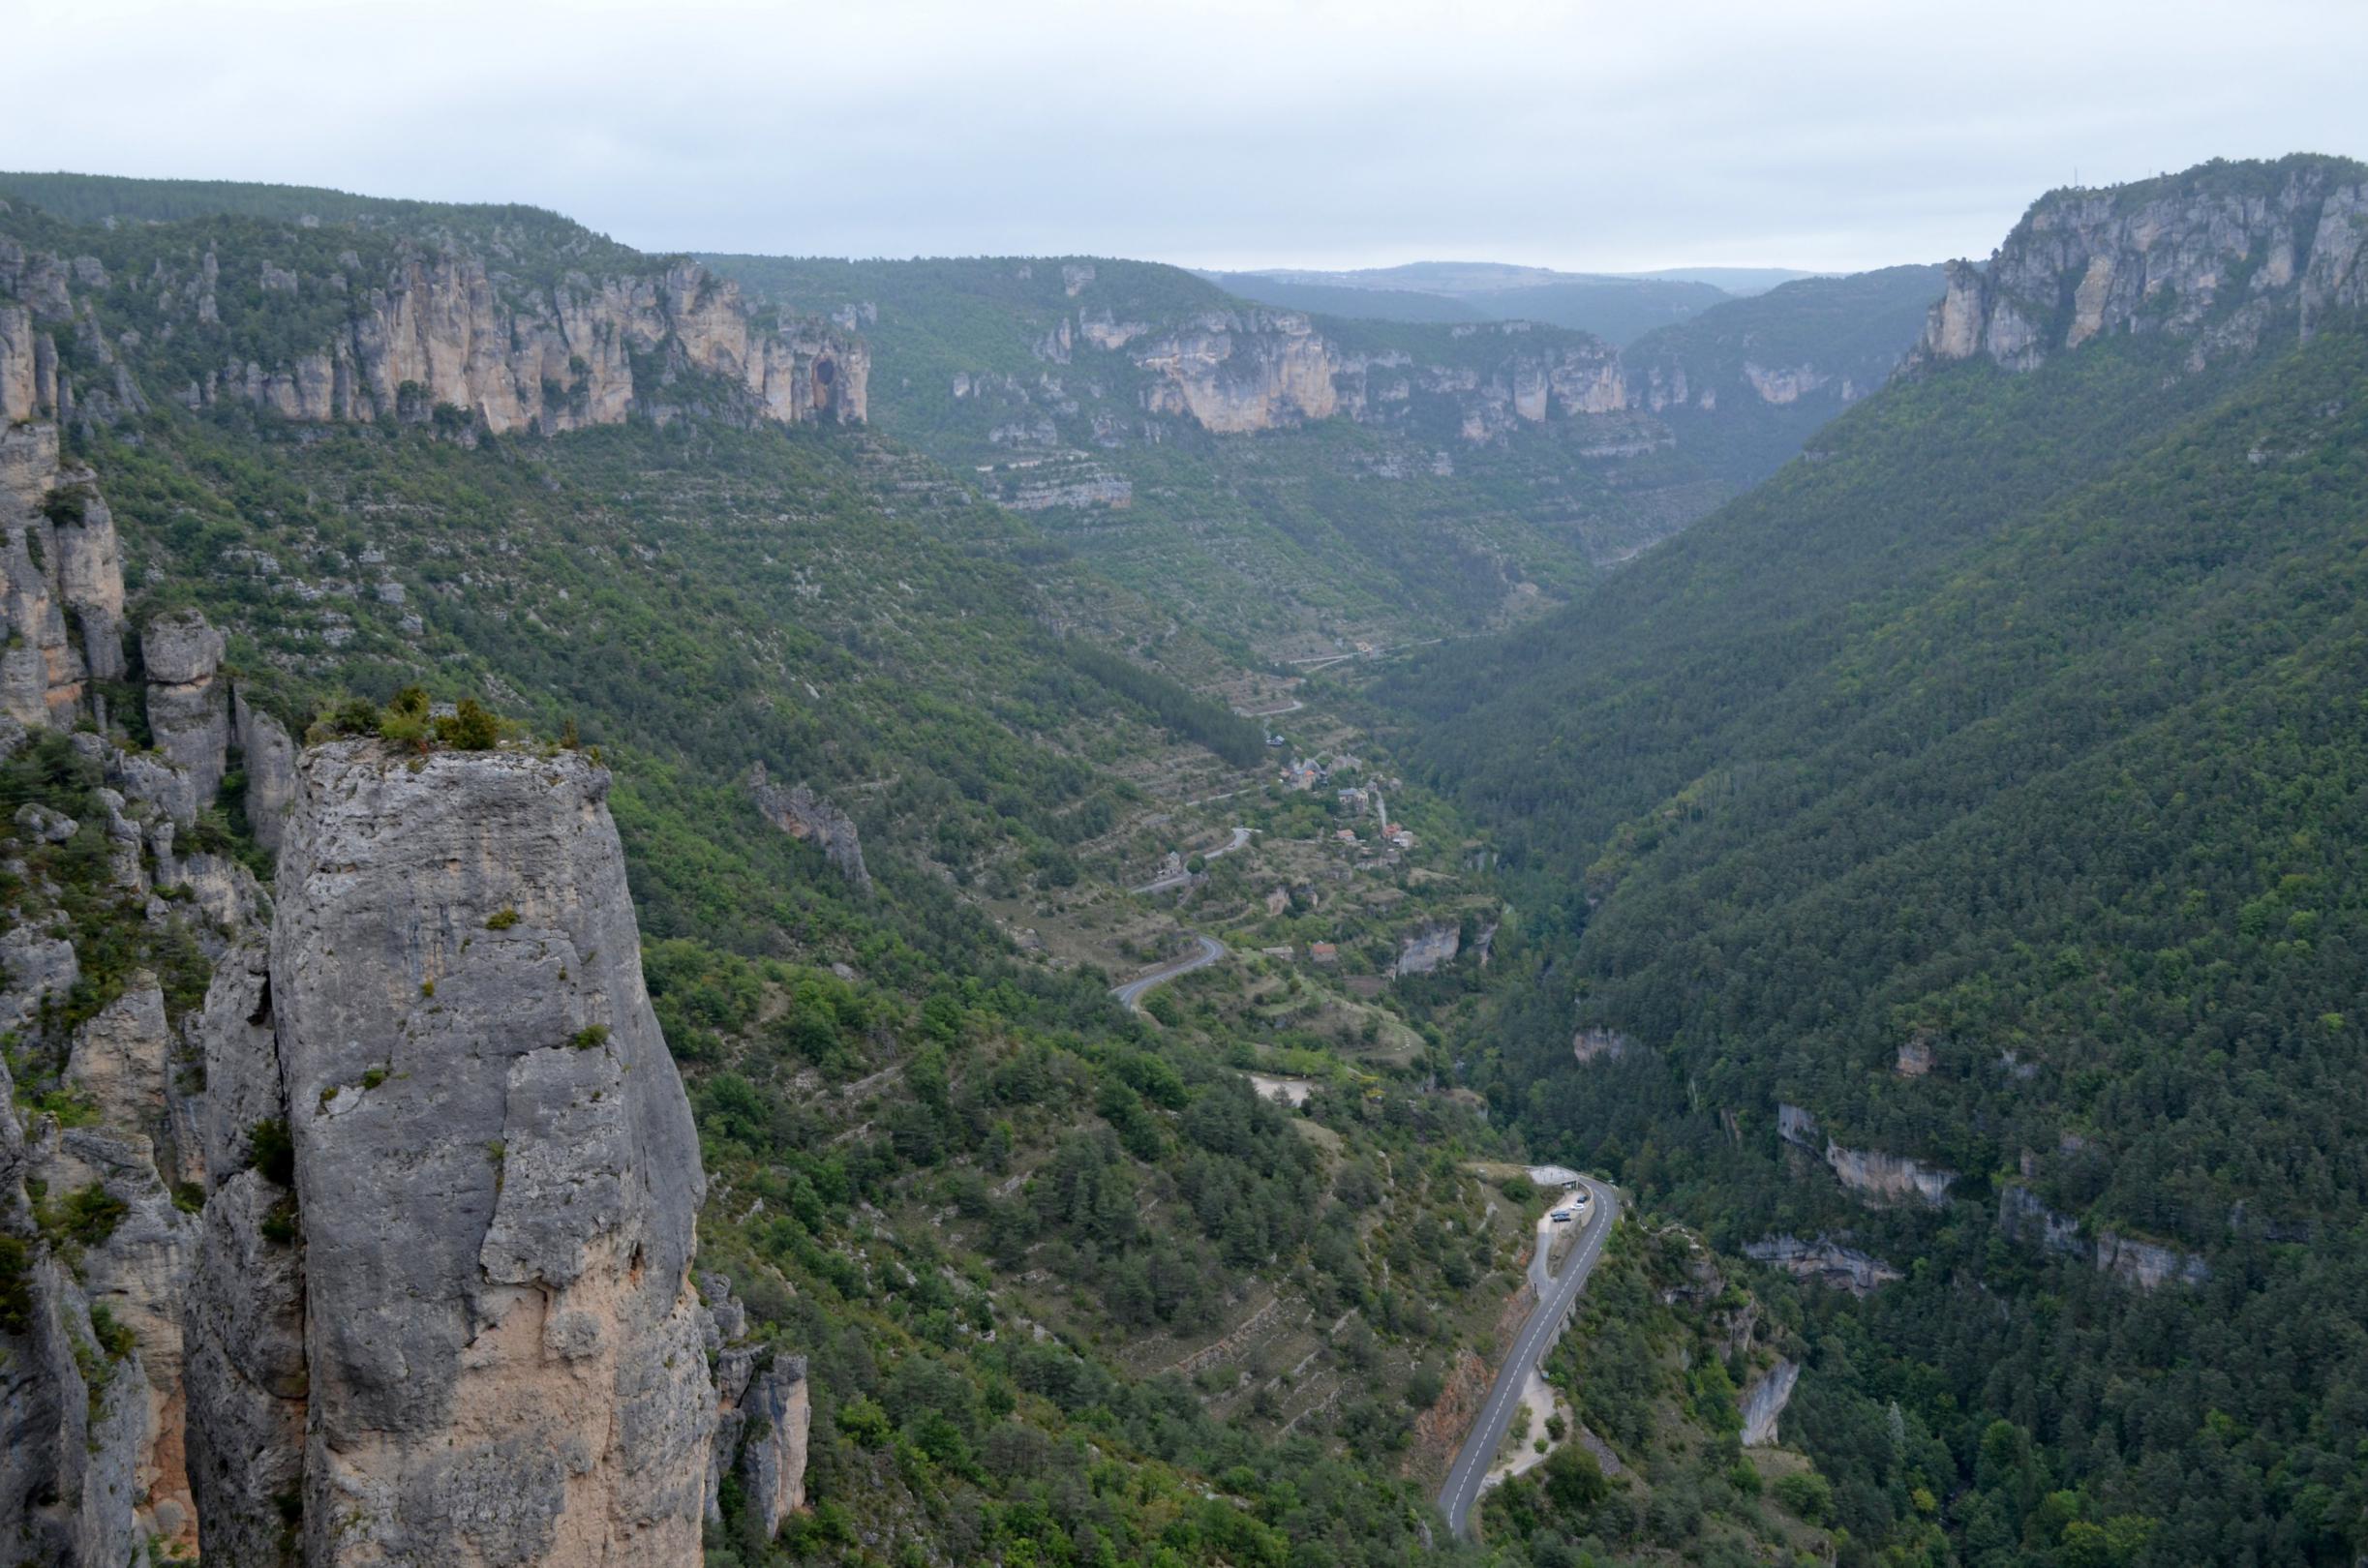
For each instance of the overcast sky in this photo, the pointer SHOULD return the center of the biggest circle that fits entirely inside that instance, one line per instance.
(1820, 133)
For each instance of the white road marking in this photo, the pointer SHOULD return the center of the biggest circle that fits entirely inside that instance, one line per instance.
(1545, 1322)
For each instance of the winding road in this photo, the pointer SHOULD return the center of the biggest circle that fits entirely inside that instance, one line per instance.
(1182, 879)
(1130, 994)
(1462, 1492)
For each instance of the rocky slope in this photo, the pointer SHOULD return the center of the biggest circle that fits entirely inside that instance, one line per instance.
(1123, 340)
(381, 1252)
(2201, 255)
(365, 324)
(58, 558)
(495, 1176)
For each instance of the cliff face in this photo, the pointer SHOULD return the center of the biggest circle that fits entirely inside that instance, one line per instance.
(382, 1255)
(1235, 373)
(2219, 256)
(2147, 1265)
(58, 555)
(1763, 1401)
(397, 337)
(801, 813)
(96, 1240)
(1825, 1261)
(1872, 1173)
(494, 1177)
(1243, 370)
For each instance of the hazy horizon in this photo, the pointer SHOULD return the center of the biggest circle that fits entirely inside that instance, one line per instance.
(1832, 137)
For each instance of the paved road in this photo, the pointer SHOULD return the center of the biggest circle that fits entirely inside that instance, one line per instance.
(1538, 1333)
(1181, 879)
(1130, 994)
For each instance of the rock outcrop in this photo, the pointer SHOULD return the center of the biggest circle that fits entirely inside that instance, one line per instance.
(1888, 1177)
(60, 565)
(1242, 368)
(1824, 1260)
(433, 1303)
(270, 755)
(1423, 950)
(2147, 1265)
(1590, 1045)
(1870, 1172)
(93, 1252)
(435, 322)
(1764, 1401)
(1233, 373)
(189, 710)
(764, 1416)
(801, 813)
(491, 1171)
(2218, 255)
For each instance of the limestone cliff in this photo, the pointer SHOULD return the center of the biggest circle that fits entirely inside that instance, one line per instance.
(60, 567)
(99, 1165)
(803, 814)
(2147, 1265)
(422, 323)
(2217, 255)
(1232, 373)
(492, 1172)
(1873, 1173)
(1824, 1260)
(1427, 947)
(438, 330)
(764, 1416)
(1765, 1400)
(1125, 365)
(382, 1255)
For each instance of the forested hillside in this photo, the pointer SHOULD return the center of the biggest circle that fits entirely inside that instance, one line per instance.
(1315, 485)
(1953, 857)
(1069, 1282)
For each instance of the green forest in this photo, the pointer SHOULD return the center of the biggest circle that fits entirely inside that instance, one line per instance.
(1918, 830)
(1989, 784)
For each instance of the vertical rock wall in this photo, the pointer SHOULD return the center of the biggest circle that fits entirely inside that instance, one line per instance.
(496, 1176)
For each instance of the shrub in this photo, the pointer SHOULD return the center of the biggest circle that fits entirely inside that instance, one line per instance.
(66, 507)
(590, 1037)
(501, 919)
(16, 1295)
(355, 715)
(468, 726)
(865, 1422)
(88, 1217)
(280, 1222)
(1807, 1494)
(272, 1152)
(115, 1338)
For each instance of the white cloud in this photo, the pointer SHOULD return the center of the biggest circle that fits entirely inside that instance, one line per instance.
(1833, 133)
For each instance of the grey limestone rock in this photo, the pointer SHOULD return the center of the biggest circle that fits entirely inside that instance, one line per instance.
(36, 967)
(120, 1058)
(47, 825)
(2217, 255)
(803, 814)
(270, 758)
(763, 1415)
(778, 1413)
(189, 710)
(495, 1170)
(1765, 1400)
(243, 1325)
